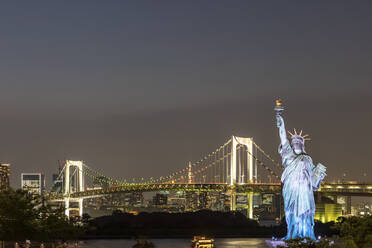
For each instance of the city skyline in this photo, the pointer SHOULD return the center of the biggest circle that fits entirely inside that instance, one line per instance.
(141, 89)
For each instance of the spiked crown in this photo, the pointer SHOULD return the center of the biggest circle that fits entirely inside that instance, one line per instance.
(299, 136)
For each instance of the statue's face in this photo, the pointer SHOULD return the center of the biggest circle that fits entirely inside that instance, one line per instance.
(298, 145)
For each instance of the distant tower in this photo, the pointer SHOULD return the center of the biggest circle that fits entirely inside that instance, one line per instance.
(189, 174)
(4, 176)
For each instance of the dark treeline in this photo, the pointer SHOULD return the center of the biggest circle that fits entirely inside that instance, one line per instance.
(204, 222)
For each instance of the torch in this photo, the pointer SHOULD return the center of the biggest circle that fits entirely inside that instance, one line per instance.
(278, 107)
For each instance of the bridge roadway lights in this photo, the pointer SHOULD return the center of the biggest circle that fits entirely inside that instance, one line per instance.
(239, 188)
(334, 189)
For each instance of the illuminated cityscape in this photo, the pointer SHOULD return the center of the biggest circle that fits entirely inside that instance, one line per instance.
(181, 192)
(255, 195)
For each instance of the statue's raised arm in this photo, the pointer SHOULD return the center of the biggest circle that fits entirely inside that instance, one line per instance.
(281, 127)
(280, 121)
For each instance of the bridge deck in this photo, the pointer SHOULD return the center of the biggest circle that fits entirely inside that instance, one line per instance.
(341, 189)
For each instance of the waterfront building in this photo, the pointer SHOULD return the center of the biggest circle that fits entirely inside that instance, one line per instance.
(328, 208)
(266, 207)
(216, 201)
(345, 202)
(191, 201)
(242, 203)
(256, 200)
(362, 209)
(160, 200)
(326, 212)
(117, 201)
(4, 176)
(34, 183)
(177, 201)
(203, 200)
(136, 199)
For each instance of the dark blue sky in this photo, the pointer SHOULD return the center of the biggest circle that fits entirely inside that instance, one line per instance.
(139, 88)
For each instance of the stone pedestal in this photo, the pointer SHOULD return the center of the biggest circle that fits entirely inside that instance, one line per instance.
(275, 243)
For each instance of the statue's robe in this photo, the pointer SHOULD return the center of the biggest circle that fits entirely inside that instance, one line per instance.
(299, 205)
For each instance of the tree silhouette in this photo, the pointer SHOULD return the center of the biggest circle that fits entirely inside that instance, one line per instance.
(26, 216)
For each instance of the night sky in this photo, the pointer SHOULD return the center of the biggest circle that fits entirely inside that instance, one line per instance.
(140, 88)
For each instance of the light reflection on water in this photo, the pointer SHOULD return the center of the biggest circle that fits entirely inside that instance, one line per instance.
(176, 243)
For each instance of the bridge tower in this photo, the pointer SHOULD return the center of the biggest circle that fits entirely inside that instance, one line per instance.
(73, 181)
(237, 174)
(234, 172)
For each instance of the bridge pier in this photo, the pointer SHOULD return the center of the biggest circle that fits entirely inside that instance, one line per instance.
(249, 202)
(232, 193)
(67, 206)
(348, 204)
(78, 207)
(250, 205)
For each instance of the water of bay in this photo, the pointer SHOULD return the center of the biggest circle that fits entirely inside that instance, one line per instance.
(175, 243)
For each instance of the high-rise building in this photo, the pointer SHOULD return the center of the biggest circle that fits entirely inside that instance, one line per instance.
(4, 176)
(203, 200)
(191, 201)
(216, 201)
(177, 201)
(57, 184)
(33, 182)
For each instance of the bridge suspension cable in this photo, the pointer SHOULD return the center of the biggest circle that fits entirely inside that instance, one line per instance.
(268, 156)
(264, 166)
(216, 166)
(222, 166)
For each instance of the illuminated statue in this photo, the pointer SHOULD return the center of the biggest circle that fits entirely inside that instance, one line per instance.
(300, 178)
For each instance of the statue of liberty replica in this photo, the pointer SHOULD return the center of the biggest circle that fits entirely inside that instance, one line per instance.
(300, 178)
